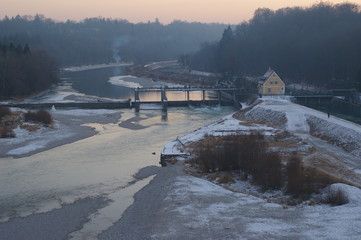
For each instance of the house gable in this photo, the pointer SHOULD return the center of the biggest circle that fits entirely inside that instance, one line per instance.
(272, 84)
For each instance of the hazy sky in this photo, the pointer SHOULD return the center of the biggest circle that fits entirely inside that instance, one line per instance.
(225, 11)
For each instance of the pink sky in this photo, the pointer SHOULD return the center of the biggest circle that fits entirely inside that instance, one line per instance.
(224, 11)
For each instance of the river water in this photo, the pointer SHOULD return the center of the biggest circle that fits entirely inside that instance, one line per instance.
(95, 82)
(101, 165)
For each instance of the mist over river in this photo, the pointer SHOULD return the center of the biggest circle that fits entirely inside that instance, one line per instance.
(98, 170)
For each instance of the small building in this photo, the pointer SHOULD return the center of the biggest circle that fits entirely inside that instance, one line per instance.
(271, 84)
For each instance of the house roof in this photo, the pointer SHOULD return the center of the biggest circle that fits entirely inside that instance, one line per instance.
(268, 73)
(265, 77)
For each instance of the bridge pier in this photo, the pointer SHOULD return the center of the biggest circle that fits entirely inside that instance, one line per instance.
(136, 100)
(164, 100)
(188, 99)
(235, 99)
(219, 97)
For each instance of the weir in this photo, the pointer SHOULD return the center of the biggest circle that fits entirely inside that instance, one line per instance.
(225, 96)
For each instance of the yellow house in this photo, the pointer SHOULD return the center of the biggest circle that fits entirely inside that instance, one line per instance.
(271, 84)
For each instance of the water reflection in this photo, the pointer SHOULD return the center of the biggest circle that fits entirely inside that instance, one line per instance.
(95, 82)
(95, 166)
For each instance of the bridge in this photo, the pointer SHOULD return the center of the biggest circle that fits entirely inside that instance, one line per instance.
(315, 99)
(225, 96)
(82, 105)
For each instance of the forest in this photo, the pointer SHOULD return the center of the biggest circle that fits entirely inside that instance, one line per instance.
(320, 44)
(101, 40)
(23, 71)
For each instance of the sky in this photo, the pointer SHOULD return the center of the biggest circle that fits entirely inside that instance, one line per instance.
(223, 11)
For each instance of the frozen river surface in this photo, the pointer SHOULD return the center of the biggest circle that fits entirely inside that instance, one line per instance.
(94, 174)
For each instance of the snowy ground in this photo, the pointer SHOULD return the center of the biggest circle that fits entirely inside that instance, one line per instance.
(135, 82)
(96, 66)
(179, 206)
(63, 92)
(195, 208)
(342, 148)
(69, 126)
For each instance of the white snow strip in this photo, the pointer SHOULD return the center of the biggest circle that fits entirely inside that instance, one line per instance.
(119, 80)
(96, 66)
(86, 112)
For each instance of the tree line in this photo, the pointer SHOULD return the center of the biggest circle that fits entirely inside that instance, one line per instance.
(320, 44)
(99, 40)
(23, 71)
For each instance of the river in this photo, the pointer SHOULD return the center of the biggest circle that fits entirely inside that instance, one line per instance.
(101, 166)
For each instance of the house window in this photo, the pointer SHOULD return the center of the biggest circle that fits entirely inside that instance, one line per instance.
(269, 90)
(276, 82)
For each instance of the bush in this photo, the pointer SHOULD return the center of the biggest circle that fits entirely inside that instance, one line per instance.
(40, 116)
(241, 152)
(6, 132)
(248, 154)
(268, 173)
(304, 181)
(335, 197)
(4, 111)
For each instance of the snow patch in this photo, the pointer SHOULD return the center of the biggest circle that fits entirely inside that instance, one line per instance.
(119, 80)
(86, 112)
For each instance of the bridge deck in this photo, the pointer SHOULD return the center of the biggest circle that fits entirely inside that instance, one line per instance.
(184, 89)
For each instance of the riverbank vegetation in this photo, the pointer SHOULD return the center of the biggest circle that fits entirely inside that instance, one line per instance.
(317, 45)
(31, 121)
(225, 159)
(23, 71)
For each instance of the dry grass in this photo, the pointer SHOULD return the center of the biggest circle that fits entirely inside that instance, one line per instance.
(30, 128)
(40, 116)
(6, 132)
(335, 197)
(4, 111)
(219, 157)
(235, 152)
(226, 178)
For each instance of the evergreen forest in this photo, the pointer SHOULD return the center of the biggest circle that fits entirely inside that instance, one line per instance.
(320, 44)
(23, 71)
(102, 40)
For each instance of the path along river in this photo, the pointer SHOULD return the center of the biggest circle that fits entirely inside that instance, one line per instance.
(75, 191)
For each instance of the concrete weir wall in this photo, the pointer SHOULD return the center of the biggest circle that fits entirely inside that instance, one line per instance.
(83, 105)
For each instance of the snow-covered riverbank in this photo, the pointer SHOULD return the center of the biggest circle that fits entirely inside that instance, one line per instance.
(95, 66)
(69, 126)
(184, 207)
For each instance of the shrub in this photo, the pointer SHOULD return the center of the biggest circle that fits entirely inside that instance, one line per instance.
(40, 116)
(295, 178)
(241, 152)
(249, 155)
(226, 178)
(304, 181)
(268, 172)
(335, 197)
(4, 111)
(6, 132)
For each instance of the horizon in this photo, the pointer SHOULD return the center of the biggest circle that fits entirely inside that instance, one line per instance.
(136, 11)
